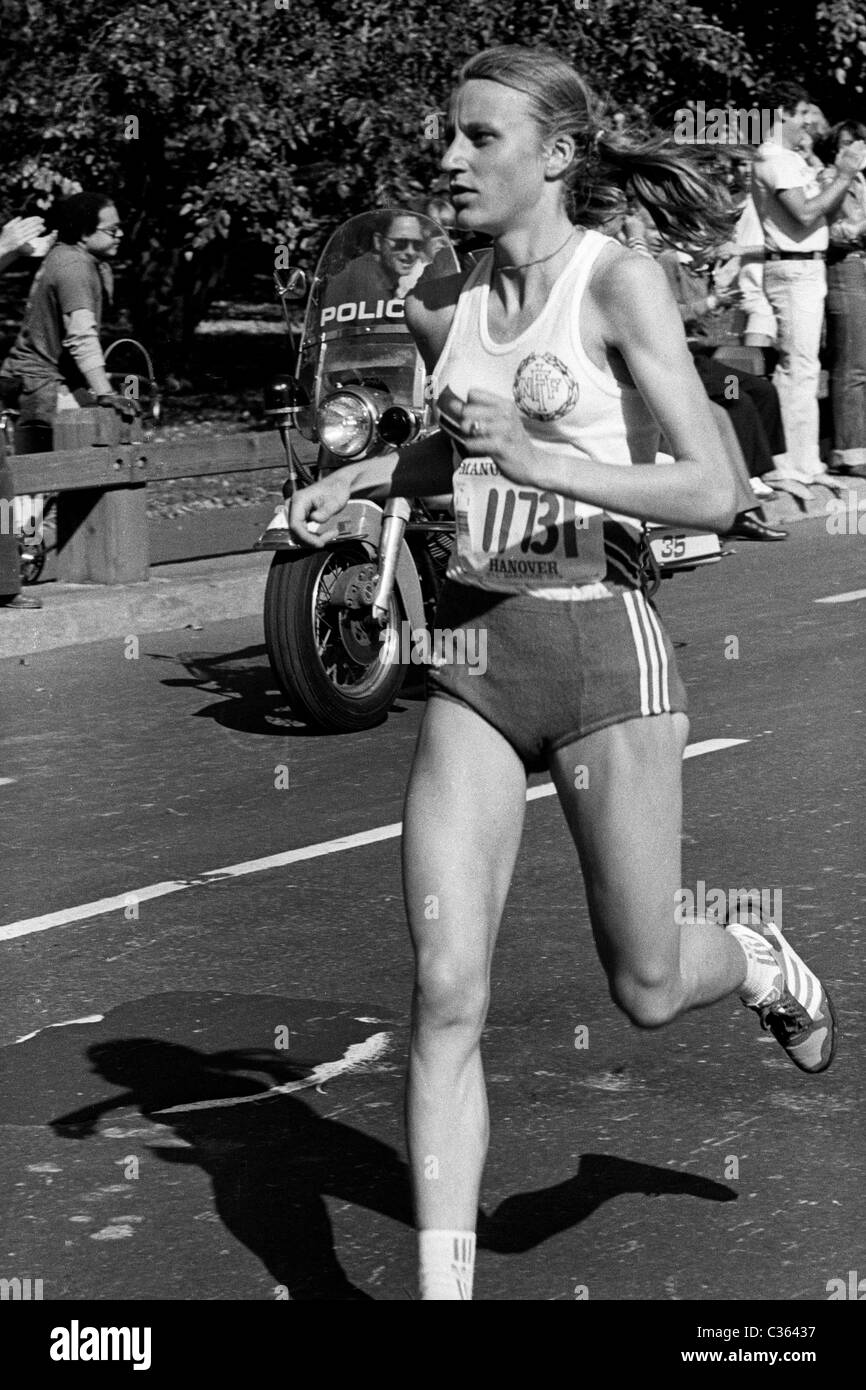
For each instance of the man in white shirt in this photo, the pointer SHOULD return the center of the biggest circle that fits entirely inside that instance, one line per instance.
(794, 212)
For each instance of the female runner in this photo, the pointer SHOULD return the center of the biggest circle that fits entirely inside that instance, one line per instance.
(554, 367)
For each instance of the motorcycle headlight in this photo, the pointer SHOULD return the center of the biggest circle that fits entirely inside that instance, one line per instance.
(345, 424)
(398, 425)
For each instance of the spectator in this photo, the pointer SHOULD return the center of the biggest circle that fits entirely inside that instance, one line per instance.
(806, 149)
(438, 249)
(20, 237)
(57, 360)
(751, 403)
(846, 310)
(442, 210)
(747, 264)
(466, 245)
(638, 231)
(793, 211)
(816, 127)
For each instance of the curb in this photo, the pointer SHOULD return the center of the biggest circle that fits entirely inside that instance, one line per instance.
(176, 596)
(785, 507)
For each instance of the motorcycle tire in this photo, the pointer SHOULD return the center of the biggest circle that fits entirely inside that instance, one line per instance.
(317, 653)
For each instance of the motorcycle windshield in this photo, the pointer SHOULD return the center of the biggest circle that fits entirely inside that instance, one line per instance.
(355, 330)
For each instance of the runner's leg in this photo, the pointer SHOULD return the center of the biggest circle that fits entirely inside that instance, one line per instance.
(626, 824)
(462, 827)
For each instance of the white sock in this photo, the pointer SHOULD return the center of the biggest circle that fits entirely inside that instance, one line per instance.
(446, 1264)
(763, 976)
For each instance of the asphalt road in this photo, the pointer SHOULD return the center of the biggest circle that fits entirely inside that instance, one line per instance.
(138, 1157)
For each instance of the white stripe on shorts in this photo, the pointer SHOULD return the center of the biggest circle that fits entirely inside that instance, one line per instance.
(628, 599)
(651, 655)
(662, 653)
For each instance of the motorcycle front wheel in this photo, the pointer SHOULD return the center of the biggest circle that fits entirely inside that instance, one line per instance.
(328, 660)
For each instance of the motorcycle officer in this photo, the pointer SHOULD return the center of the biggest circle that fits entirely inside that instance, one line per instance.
(386, 272)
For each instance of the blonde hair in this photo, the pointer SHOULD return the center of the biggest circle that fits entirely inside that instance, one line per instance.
(684, 204)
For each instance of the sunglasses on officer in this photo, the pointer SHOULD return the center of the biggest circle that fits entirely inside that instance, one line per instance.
(404, 243)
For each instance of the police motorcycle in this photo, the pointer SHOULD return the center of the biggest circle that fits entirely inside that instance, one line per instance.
(345, 625)
(677, 549)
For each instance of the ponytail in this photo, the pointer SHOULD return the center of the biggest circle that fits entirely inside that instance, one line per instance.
(682, 201)
(684, 204)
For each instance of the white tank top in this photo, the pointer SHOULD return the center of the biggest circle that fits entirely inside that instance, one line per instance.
(517, 539)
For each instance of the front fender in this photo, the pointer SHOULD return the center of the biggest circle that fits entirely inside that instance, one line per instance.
(360, 520)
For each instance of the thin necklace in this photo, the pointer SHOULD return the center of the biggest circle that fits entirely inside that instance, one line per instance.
(541, 259)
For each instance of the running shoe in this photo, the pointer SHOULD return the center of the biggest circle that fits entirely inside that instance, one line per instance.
(800, 1013)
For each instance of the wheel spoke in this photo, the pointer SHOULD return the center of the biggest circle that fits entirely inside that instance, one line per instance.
(340, 635)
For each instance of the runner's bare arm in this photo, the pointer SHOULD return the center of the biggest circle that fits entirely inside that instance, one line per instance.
(643, 324)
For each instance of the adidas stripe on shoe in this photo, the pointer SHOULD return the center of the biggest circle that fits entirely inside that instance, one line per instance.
(797, 1010)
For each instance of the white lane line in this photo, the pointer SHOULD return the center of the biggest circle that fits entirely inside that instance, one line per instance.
(292, 856)
(356, 1056)
(67, 1023)
(711, 745)
(94, 909)
(102, 906)
(851, 597)
(7, 781)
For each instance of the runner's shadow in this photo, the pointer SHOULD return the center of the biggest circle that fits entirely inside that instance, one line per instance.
(272, 1164)
(521, 1222)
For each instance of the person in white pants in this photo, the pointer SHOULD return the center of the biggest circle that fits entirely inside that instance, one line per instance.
(794, 210)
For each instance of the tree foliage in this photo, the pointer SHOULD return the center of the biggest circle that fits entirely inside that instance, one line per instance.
(224, 128)
(823, 46)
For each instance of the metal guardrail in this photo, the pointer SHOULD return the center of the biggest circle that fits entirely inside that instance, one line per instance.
(129, 465)
(102, 533)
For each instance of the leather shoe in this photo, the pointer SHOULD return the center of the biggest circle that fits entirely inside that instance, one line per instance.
(749, 528)
(21, 601)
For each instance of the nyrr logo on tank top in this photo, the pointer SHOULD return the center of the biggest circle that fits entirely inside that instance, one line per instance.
(544, 387)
